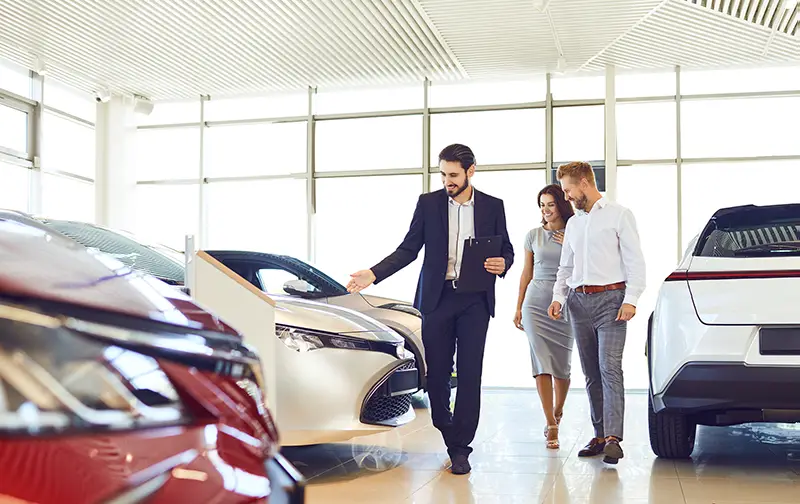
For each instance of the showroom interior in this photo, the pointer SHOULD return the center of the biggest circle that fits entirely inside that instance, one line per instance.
(310, 130)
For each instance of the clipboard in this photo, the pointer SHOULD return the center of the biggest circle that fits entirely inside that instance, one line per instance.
(473, 276)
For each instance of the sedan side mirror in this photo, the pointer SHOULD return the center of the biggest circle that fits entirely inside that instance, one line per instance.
(298, 288)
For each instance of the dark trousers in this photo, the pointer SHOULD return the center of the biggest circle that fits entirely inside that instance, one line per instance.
(460, 320)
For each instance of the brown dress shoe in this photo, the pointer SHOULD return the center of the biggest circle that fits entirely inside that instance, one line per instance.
(593, 449)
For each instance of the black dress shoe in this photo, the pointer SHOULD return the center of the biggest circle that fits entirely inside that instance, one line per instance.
(460, 465)
(613, 452)
(593, 449)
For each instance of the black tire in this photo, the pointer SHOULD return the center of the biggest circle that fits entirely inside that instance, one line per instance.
(672, 435)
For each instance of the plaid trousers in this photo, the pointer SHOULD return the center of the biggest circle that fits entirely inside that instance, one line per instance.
(600, 340)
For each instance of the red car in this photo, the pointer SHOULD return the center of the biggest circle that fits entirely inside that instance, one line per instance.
(115, 388)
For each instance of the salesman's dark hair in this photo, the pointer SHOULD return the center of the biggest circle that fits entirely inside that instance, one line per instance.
(564, 208)
(460, 153)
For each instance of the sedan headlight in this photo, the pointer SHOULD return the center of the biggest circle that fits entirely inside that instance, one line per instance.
(306, 340)
(402, 307)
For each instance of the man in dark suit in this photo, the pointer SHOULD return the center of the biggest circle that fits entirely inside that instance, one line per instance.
(441, 222)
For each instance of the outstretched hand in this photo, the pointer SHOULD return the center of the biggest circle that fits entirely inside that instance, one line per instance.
(360, 281)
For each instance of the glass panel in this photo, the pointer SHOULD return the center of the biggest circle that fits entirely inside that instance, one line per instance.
(486, 93)
(739, 127)
(273, 280)
(578, 88)
(646, 130)
(578, 133)
(255, 149)
(167, 213)
(262, 216)
(497, 137)
(171, 113)
(657, 224)
(256, 107)
(15, 187)
(707, 187)
(72, 101)
(357, 225)
(13, 129)
(67, 145)
(15, 78)
(638, 85)
(369, 100)
(740, 80)
(168, 153)
(67, 198)
(369, 144)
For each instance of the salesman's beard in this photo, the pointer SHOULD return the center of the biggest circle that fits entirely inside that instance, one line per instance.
(459, 190)
(581, 203)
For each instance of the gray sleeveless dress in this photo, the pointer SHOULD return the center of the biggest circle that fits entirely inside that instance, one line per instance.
(550, 340)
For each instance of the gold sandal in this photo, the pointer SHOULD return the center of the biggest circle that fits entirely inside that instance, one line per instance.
(552, 444)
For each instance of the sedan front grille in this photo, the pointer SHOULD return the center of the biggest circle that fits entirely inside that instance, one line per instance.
(381, 407)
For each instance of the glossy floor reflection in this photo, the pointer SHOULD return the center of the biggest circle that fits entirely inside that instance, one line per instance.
(511, 465)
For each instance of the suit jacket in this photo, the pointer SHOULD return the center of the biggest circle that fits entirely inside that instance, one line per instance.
(430, 227)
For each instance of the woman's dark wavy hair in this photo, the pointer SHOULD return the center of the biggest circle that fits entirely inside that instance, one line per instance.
(564, 208)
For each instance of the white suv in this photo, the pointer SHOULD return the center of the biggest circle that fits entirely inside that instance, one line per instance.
(723, 343)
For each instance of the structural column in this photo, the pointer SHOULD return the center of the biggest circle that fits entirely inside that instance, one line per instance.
(611, 133)
(115, 182)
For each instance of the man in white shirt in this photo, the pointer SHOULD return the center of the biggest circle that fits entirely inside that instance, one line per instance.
(600, 279)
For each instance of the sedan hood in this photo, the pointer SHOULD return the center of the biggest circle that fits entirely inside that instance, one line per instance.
(377, 301)
(330, 318)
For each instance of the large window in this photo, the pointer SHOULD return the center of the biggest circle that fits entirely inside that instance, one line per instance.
(369, 144)
(361, 220)
(579, 133)
(15, 78)
(256, 107)
(168, 153)
(13, 129)
(638, 85)
(262, 216)
(739, 127)
(486, 93)
(368, 100)
(67, 198)
(182, 112)
(72, 101)
(707, 187)
(15, 187)
(740, 80)
(578, 88)
(501, 137)
(255, 149)
(657, 223)
(646, 130)
(166, 213)
(68, 145)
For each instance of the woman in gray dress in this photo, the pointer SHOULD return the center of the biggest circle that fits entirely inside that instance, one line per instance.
(550, 340)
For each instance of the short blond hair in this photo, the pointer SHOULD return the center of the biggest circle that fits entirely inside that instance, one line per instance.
(576, 170)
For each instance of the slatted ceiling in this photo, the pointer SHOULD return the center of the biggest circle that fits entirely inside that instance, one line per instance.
(772, 14)
(490, 37)
(682, 33)
(181, 49)
(167, 50)
(585, 29)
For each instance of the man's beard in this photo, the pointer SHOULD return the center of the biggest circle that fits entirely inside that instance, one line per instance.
(458, 190)
(580, 203)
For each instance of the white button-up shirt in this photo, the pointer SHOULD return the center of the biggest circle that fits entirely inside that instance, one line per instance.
(462, 226)
(601, 247)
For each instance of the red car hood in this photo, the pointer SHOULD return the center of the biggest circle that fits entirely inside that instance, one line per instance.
(41, 265)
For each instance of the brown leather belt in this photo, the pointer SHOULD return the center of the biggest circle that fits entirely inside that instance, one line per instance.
(594, 289)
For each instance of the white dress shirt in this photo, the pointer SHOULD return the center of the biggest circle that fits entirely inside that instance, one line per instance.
(601, 247)
(462, 226)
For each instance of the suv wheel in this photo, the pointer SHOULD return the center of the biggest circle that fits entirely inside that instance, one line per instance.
(671, 434)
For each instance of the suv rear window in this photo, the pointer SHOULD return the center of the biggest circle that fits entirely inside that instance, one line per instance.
(752, 231)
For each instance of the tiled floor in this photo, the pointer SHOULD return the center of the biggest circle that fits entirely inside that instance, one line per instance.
(735, 465)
